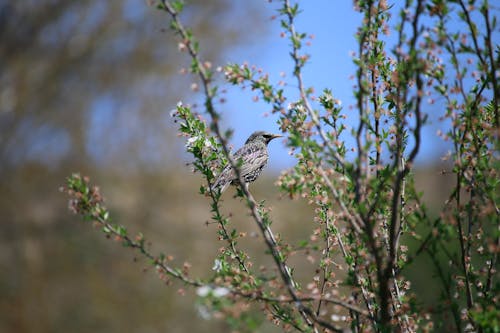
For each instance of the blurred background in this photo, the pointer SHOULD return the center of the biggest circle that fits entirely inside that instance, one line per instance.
(88, 86)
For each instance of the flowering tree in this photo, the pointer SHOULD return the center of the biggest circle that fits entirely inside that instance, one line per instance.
(366, 208)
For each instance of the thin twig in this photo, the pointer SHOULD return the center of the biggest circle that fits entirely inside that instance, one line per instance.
(252, 204)
(326, 257)
(302, 90)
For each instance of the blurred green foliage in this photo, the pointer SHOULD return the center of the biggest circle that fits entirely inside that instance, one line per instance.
(83, 87)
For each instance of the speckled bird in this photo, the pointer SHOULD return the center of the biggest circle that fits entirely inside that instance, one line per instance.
(253, 156)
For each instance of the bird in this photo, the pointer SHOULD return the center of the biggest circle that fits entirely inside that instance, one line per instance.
(251, 159)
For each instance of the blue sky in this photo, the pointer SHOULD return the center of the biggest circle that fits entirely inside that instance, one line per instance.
(333, 25)
(115, 119)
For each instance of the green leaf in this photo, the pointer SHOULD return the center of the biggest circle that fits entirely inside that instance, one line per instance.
(178, 5)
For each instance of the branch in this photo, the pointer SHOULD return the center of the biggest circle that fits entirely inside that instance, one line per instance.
(302, 90)
(252, 204)
(87, 201)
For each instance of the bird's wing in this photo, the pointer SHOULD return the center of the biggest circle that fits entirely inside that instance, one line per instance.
(252, 158)
(224, 178)
(249, 158)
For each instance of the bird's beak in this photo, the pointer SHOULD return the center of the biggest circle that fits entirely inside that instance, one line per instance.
(276, 136)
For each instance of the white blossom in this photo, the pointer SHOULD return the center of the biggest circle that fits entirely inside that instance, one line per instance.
(208, 144)
(173, 112)
(217, 265)
(220, 292)
(203, 291)
(191, 141)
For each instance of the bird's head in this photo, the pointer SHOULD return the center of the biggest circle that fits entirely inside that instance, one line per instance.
(263, 136)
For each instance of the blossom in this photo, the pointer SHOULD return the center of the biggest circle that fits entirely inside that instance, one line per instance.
(220, 292)
(217, 292)
(217, 265)
(173, 112)
(191, 141)
(203, 291)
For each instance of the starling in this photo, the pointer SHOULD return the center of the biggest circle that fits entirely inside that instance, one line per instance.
(251, 158)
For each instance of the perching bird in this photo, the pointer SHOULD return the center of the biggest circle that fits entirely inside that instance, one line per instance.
(251, 158)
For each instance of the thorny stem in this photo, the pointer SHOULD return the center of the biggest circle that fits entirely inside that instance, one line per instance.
(326, 256)
(459, 148)
(265, 229)
(313, 298)
(377, 114)
(209, 96)
(204, 76)
(99, 214)
(446, 284)
(314, 117)
(284, 270)
(353, 219)
(305, 100)
(472, 32)
(361, 160)
(461, 236)
(195, 283)
(473, 106)
(388, 273)
(398, 300)
(328, 227)
(228, 238)
(160, 264)
(302, 90)
(492, 267)
(215, 199)
(364, 292)
(493, 65)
